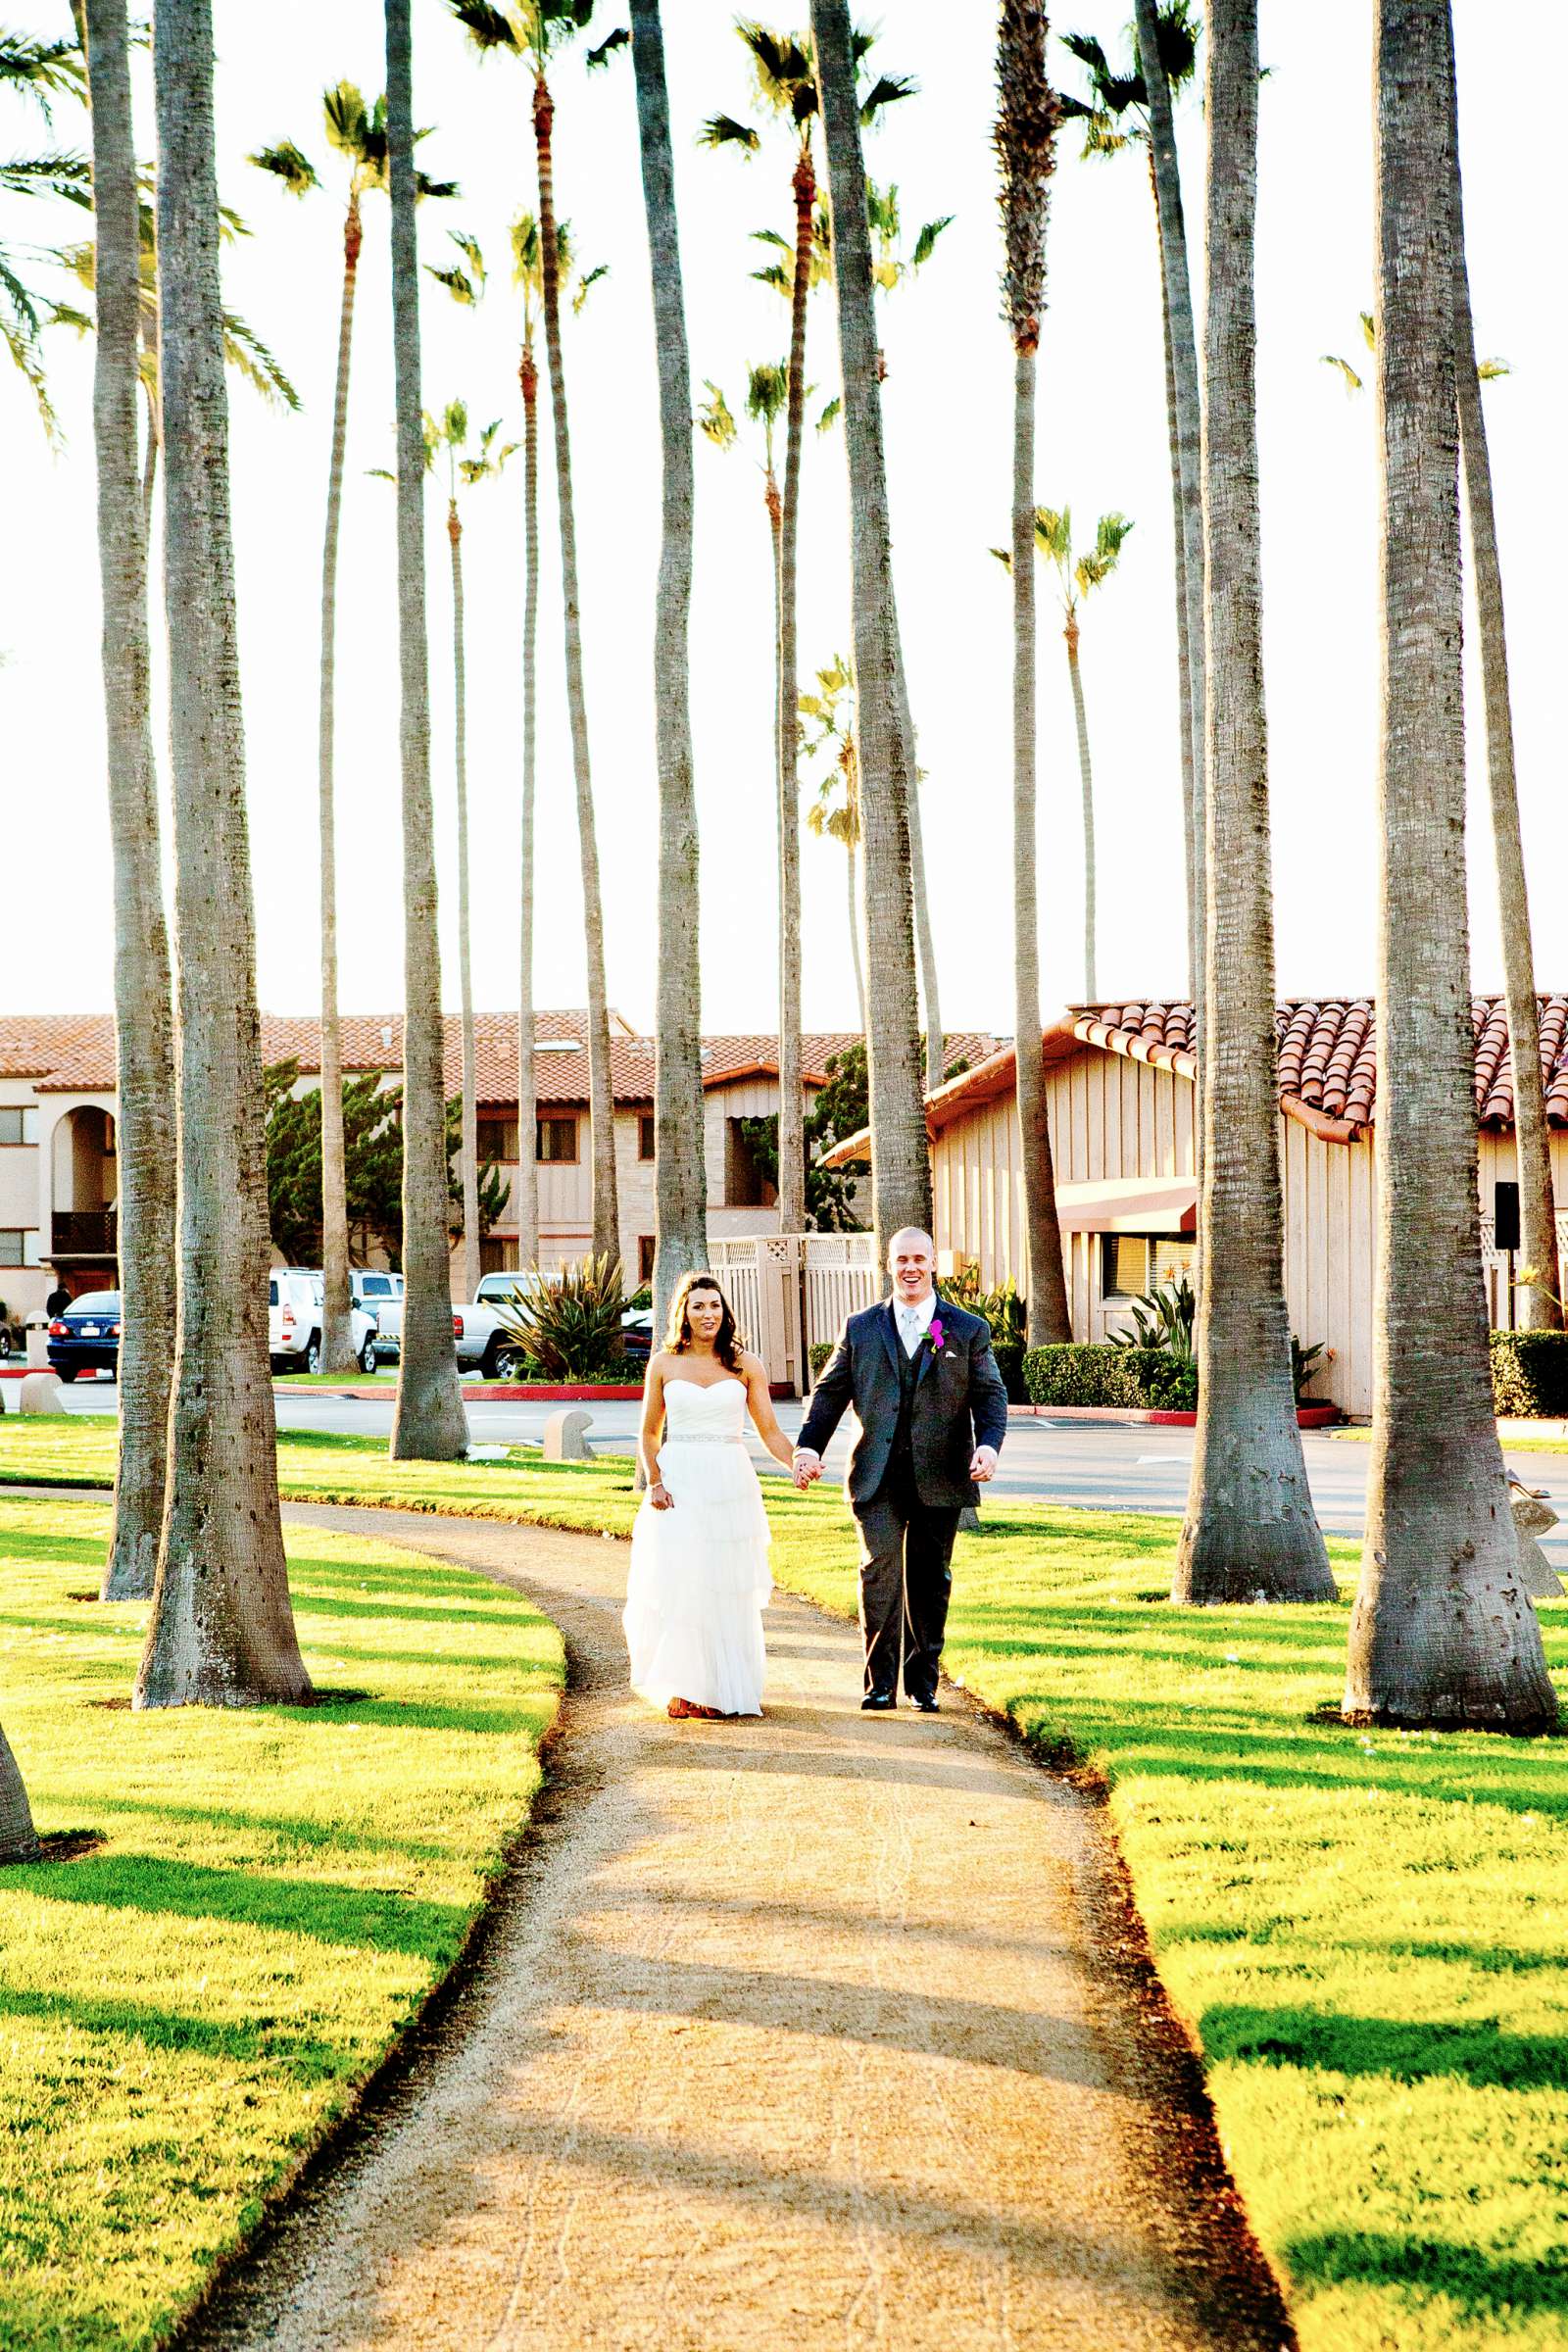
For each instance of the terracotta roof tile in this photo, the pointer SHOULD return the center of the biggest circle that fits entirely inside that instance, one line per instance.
(1327, 1052)
(74, 1053)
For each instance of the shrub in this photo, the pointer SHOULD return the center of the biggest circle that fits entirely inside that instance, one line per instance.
(1002, 1308)
(1010, 1355)
(1530, 1374)
(817, 1355)
(569, 1329)
(1083, 1375)
(1169, 1382)
(1163, 1319)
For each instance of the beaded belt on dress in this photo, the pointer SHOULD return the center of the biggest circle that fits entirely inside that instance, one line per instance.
(702, 1437)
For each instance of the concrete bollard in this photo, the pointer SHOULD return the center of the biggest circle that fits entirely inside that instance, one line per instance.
(39, 1343)
(41, 1392)
(1532, 1516)
(565, 1437)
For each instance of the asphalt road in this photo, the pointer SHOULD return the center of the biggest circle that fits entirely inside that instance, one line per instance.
(1098, 1466)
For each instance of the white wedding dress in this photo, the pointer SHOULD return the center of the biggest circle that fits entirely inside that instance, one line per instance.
(700, 1578)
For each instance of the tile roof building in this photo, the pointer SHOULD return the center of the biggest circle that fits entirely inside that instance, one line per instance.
(1119, 1086)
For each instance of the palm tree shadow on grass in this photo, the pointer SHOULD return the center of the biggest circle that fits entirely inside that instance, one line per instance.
(325, 1911)
(245, 2041)
(1328, 2043)
(1438, 2267)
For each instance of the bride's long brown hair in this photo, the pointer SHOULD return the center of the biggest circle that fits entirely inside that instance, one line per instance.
(678, 1335)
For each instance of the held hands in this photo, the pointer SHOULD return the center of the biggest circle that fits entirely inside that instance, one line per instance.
(807, 1468)
(984, 1465)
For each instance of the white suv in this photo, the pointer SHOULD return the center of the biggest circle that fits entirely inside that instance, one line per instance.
(380, 1294)
(294, 1323)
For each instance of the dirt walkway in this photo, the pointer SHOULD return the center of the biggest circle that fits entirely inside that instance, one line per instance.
(815, 2032)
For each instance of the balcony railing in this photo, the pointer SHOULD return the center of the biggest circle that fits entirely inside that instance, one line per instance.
(84, 1232)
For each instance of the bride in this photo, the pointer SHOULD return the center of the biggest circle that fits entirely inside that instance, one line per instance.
(700, 1579)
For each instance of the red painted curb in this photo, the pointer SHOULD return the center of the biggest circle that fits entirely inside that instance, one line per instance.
(1307, 1416)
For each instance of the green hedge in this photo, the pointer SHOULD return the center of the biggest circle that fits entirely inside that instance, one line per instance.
(1129, 1378)
(1530, 1374)
(817, 1353)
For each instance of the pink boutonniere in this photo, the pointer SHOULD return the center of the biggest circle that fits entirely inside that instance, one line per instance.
(936, 1335)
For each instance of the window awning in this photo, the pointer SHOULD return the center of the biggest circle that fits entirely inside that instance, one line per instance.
(1130, 1205)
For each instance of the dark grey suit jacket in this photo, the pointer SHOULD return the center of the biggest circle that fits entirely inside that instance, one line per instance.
(960, 1402)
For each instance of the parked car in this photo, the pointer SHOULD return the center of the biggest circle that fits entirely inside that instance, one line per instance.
(380, 1294)
(86, 1337)
(637, 1339)
(478, 1333)
(295, 1297)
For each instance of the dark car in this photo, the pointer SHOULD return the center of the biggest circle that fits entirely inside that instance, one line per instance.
(86, 1337)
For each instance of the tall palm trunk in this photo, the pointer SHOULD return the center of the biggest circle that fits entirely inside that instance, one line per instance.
(525, 1201)
(790, 1099)
(18, 1839)
(1026, 125)
(143, 1018)
(1086, 779)
(337, 1316)
(468, 1135)
(1442, 1633)
(428, 1423)
(601, 1101)
(1188, 405)
(1191, 771)
(1538, 1218)
(679, 1173)
(223, 1627)
(853, 871)
(925, 945)
(900, 1167)
(1250, 1532)
(1050, 1318)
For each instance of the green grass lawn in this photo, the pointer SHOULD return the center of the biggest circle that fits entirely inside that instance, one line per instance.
(1365, 1931)
(183, 2008)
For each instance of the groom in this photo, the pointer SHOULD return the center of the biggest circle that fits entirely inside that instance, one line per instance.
(933, 1412)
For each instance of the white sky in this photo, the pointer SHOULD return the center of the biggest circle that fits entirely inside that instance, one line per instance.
(947, 412)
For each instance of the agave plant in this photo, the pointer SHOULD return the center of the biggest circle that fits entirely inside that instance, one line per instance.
(1162, 1317)
(569, 1326)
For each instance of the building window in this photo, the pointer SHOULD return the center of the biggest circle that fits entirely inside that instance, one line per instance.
(645, 1136)
(644, 1258)
(1173, 1261)
(745, 1185)
(1506, 1217)
(497, 1256)
(498, 1141)
(19, 1126)
(1123, 1265)
(19, 1246)
(557, 1141)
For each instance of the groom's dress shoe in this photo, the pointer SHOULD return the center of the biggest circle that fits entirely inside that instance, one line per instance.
(923, 1702)
(878, 1702)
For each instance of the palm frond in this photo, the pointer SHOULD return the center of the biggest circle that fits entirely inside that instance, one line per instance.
(19, 331)
(1088, 52)
(715, 419)
(59, 173)
(767, 388)
(770, 236)
(600, 57)
(585, 286)
(886, 91)
(436, 190)
(1004, 557)
(1176, 40)
(925, 243)
(42, 70)
(778, 278)
(250, 358)
(1054, 533)
(1489, 369)
(830, 415)
(722, 130)
(1353, 382)
(289, 164)
(457, 283)
(486, 27)
(349, 123)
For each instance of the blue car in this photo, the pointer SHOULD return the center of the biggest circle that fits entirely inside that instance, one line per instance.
(86, 1337)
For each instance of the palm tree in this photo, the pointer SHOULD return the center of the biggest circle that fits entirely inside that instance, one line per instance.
(1442, 1633)
(1167, 30)
(221, 1630)
(18, 1839)
(143, 1014)
(38, 71)
(1026, 133)
(785, 74)
(901, 1169)
(767, 399)
(531, 30)
(679, 1172)
(1078, 575)
(1249, 1533)
(1538, 1303)
(428, 1423)
(484, 462)
(358, 134)
(835, 813)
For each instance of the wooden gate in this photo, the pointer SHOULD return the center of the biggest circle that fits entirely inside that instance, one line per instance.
(791, 1290)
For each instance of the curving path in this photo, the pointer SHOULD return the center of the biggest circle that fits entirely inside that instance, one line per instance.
(823, 2030)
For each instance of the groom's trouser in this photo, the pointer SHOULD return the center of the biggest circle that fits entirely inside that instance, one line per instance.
(906, 1578)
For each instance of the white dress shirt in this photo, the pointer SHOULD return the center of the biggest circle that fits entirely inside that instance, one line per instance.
(915, 1319)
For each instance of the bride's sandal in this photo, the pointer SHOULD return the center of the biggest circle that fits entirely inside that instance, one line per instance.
(685, 1709)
